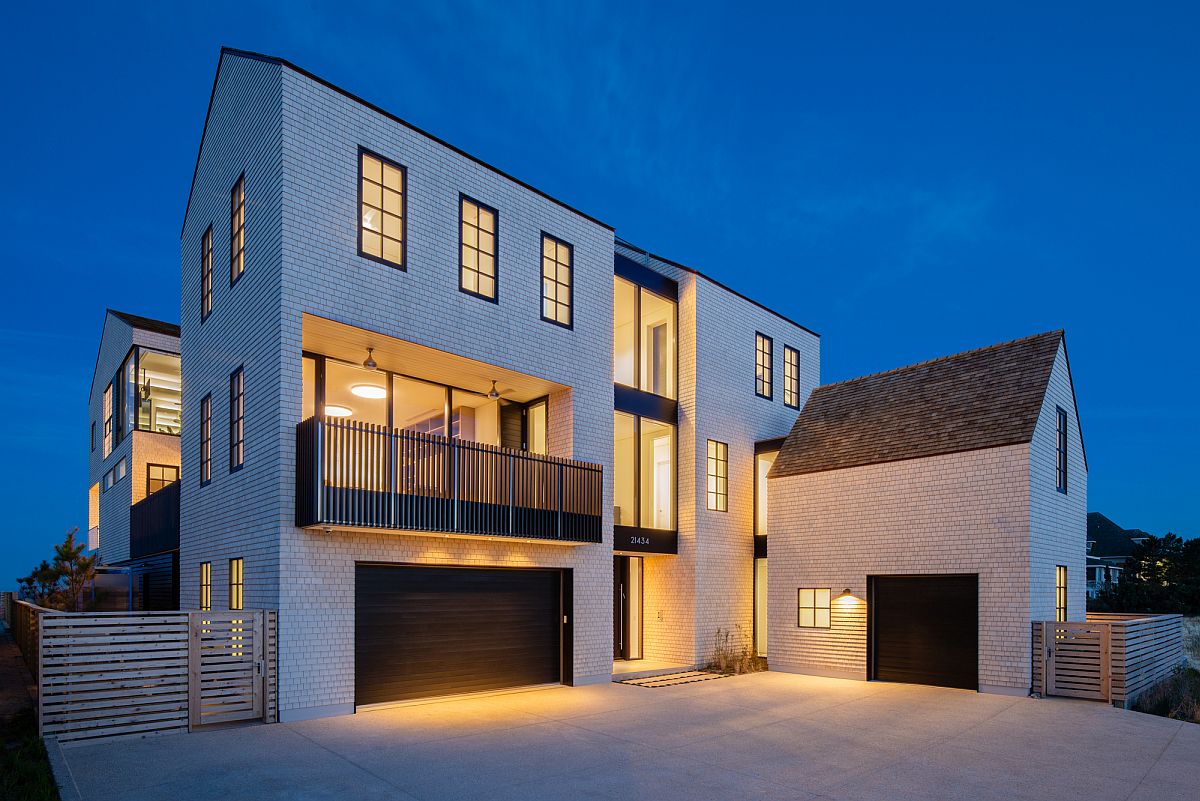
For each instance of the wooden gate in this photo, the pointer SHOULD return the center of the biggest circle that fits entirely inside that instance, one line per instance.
(1076, 659)
(231, 657)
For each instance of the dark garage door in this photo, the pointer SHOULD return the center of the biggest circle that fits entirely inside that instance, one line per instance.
(925, 630)
(427, 631)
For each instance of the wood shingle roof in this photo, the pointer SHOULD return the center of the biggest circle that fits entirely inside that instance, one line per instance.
(982, 398)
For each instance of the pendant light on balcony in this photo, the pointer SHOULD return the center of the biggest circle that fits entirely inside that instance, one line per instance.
(370, 362)
(492, 393)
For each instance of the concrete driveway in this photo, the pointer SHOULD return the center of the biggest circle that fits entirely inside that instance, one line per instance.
(769, 735)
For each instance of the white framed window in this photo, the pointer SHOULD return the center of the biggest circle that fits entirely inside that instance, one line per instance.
(812, 607)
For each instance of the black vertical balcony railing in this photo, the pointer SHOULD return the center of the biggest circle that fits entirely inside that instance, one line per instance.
(154, 523)
(360, 475)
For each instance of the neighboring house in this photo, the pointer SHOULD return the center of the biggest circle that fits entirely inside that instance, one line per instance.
(458, 433)
(921, 518)
(1108, 546)
(134, 413)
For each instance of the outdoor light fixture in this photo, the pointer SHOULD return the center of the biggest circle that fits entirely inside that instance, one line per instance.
(373, 391)
(846, 593)
(492, 393)
(370, 363)
(337, 411)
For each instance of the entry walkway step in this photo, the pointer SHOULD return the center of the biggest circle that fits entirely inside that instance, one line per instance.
(673, 679)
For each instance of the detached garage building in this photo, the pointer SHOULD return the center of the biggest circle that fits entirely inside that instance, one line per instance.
(920, 519)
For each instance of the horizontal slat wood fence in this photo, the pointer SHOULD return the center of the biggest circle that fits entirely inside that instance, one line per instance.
(120, 674)
(1141, 650)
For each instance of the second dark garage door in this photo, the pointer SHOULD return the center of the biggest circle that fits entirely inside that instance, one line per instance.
(429, 631)
(925, 630)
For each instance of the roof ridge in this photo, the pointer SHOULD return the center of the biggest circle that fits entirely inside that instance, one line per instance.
(139, 320)
(927, 362)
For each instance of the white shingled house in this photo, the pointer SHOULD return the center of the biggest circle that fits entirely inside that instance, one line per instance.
(921, 518)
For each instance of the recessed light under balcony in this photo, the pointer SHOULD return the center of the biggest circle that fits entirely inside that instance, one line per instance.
(373, 391)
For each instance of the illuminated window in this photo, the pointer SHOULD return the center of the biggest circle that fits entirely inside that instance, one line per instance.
(644, 339)
(1061, 452)
(812, 608)
(237, 230)
(762, 366)
(718, 476)
(381, 211)
(108, 422)
(236, 586)
(791, 377)
(1060, 593)
(237, 420)
(206, 274)
(643, 472)
(556, 280)
(478, 249)
(206, 440)
(205, 586)
(159, 476)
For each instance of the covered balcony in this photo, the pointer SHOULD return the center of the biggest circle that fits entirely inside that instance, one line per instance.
(419, 440)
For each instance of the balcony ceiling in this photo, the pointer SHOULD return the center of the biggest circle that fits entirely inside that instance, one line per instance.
(350, 344)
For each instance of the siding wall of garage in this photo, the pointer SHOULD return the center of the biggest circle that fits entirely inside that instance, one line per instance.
(957, 513)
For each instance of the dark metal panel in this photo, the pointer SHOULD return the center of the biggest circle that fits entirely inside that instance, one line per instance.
(154, 523)
(924, 629)
(429, 631)
(645, 540)
(644, 404)
(657, 283)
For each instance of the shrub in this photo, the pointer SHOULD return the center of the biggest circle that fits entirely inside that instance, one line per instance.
(734, 655)
(1177, 697)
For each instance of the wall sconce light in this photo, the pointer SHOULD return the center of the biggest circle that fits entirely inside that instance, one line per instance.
(846, 593)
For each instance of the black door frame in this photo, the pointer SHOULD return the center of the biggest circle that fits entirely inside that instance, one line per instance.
(871, 614)
(566, 631)
(622, 608)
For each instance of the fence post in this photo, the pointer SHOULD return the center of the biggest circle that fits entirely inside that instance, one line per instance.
(193, 670)
(1106, 662)
(39, 674)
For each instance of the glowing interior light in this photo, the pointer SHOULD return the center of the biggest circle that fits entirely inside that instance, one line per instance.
(373, 391)
(337, 411)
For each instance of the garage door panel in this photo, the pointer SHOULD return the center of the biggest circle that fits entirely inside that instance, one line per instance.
(422, 632)
(925, 630)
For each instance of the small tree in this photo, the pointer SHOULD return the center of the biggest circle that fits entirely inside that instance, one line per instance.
(76, 570)
(42, 585)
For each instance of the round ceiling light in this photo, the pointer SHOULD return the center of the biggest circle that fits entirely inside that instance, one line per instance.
(337, 411)
(373, 391)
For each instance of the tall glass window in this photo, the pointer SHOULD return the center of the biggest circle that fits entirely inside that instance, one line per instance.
(352, 391)
(644, 339)
(381, 221)
(762, 466)
(625, 469)
(206, 439)
(205, 586)
(556, 280)
(206, 274)
(791, 377)
(536, 427)
(129, 396)
(237, 420)
(478, 245)
(763, 374)
(418, 406)
(718, 476)
(107, 447)
(237, 230)
(760, 607)
(237, 585)
(625, 302)
(1060, 593)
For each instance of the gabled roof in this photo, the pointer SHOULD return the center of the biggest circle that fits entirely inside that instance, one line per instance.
(983, 398)
(147, 324)
(1110, 539)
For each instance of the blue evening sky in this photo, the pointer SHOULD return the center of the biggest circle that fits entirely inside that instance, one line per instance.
(909, 180)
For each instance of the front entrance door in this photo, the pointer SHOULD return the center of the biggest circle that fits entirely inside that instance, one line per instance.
(627, 607)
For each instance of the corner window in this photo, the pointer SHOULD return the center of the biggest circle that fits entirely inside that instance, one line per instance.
(236, 583)
(237, 420)
(644, 339)
(643, 472)
(1060, 470)
(812, 608)
(557, 258)
(381, 209)
(206, 274)
(205, 586)
(477, 240)
(156, 392)
(159, 476)
(1060, 593)
(791, 377)
(205, 440)
(237, 230)
(718, 476)
(762, 366)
